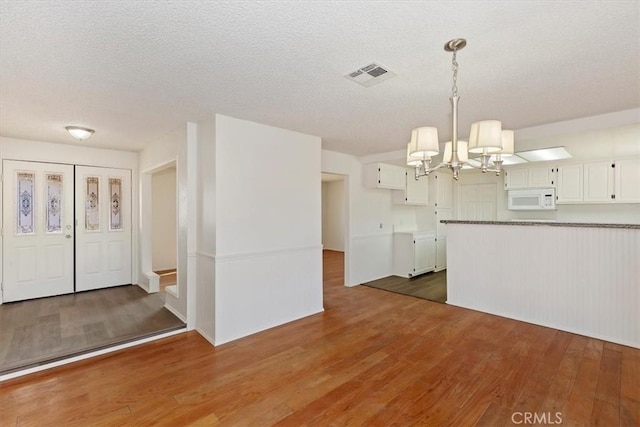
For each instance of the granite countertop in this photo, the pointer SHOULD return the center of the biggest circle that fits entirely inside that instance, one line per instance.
(547, 223)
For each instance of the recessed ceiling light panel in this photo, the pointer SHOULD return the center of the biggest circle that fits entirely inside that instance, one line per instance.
(510, 160)
(545, 154)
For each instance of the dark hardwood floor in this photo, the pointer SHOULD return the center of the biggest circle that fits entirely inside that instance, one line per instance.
(373, 358)
(43, 330)
(431, 286)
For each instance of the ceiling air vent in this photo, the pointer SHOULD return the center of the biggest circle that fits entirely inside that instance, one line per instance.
(370, 75)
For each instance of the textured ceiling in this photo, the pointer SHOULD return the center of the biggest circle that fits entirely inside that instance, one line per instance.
(135, 70)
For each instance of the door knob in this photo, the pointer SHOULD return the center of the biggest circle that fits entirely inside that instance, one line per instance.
(68, 236)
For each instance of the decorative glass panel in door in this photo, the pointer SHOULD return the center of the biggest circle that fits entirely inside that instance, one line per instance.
(37, 230)
(103, 238)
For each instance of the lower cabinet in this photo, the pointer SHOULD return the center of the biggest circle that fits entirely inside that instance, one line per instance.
(413, 253)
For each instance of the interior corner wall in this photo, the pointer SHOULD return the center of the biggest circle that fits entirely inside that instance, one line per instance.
(268, 259)
(172, 147)
(206, 229)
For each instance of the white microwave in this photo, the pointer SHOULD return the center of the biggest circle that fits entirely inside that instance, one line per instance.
(532, 199)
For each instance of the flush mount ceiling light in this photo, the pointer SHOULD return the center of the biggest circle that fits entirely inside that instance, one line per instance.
(545, 154)
(486, 137)
(79, 132)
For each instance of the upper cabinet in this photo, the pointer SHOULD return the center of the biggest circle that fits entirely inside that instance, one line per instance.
(441, 189)
(569, 184)
(415, 192)
(627, 181)
(600, 182)
(530, 177)
(382, 175)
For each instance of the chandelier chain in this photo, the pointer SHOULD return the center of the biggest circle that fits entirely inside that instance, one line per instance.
(454, 67)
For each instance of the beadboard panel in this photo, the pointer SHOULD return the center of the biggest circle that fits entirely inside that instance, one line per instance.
(205, 303)
(371, 257)
(580, 280)
(258, 291)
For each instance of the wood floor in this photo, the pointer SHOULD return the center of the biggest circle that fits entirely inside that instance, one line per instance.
(431, 286)
(48, 329)
(372, 358)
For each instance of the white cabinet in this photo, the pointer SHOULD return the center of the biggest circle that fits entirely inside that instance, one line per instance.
(627, 181)
(516, 178)
(569, 189)
(441, 238)
(382, 175)
(441, 189)
(530, 177)
(415, 192)
(600, 182)
(413, 253)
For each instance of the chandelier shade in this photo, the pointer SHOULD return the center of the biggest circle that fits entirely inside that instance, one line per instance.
(424, 142)
(463, 154)
(485, 137)
(411, 160)
(508, 146)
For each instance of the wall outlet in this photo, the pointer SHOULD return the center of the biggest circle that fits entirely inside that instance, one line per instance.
(380, 225)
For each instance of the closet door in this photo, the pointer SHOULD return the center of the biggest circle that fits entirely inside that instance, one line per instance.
(37, 228)
(103, 227)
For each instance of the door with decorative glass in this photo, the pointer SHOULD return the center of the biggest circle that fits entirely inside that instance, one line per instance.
(103, 232)
(37, 229)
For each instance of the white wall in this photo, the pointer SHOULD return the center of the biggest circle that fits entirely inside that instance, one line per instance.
(40, 151)
(333, 215)
(164, 219)
(260, 228)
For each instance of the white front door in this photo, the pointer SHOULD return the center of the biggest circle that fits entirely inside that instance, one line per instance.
(37, 229)
(103, 231)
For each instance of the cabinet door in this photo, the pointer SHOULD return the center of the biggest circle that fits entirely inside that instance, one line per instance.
(441, 254)
(598, 182)
(381, 175)
(570, 184)
(516, 178)
(424, 254)
(541, 177)
(417, 191)
(627, 181)
(390, 176)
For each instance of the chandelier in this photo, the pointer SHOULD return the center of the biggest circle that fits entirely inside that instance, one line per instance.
(486, 138)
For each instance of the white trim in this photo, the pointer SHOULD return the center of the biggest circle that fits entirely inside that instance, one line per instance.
(206, 337)
(175, 312)
(268, 252)
(35, 369)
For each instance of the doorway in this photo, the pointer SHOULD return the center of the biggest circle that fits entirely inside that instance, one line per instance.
(66, 228)
(164, 231)
(334, 226)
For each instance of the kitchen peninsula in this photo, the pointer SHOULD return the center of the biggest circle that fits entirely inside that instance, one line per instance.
(577, 277)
